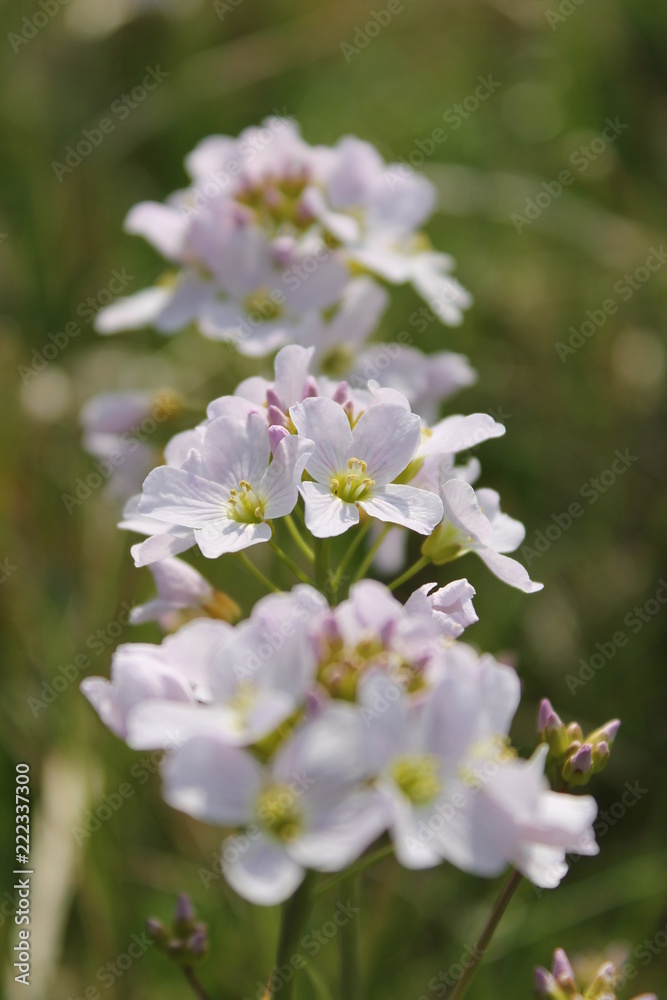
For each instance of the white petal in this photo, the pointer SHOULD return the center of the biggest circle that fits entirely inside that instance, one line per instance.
(463, 510)
(262, 872)
(218, 537)
(132, 312)
(211, 781)
(180, 497)
(324, 422)
(162, 225)
(386, 437)
(419, 510)
(279, 484)
(508, 570)
(327, 515)
(235, 451)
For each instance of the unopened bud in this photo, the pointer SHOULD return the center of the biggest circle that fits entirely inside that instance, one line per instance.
(606, 733)
(601, 756)
(545, 986)
(575, 733)
(196, 945)
(157, 932)
(578, 768)
(563, 972)
(276, 435)
(603, 985)
(552, 730)
(184, 916)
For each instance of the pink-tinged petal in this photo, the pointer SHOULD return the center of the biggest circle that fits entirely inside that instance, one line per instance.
(292, 366)
(188, 296)
(416, 509)
(261, 871)
(508, 533)
(279, 484)
(327, 515)
(386, 437)
(252, 389)
(459, 433)
(234, 451)
(462, 509)
(167, 725)
(179, 585)
(236, 407)
(132, 312)
(218, 537)
(115, 412)
(321, 420)
(508, 570)
(180, 497)
(162, 225)
(162, 545)
(211, 781)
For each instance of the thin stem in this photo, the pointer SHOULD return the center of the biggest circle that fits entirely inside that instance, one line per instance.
(264, 580)
(318, 981)
(321, 563)
(372, 552)
(350, 958)
(494, 919)
(409, 573)
(197, 987)
(358, 539)
(299, 574)
(294, 914)
(355, 869)
(300, 541)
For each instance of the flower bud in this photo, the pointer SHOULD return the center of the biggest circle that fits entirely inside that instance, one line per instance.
(196, 945)
(606, 733)
(578, 768)
(157, 932)
(184, 916)
(563, 972)
(575, 733)
(222, 606)
(546, 986)
(552, 730)
(603, 986)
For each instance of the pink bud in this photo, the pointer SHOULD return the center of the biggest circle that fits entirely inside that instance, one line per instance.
(276, 435)
(562, 970)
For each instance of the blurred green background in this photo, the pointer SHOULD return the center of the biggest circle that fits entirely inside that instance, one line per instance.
(65, 576)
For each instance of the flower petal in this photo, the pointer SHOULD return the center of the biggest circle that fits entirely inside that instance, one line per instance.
(386, 437)
(211, 781)
(419, 510)
(327, 515)
(324, 422)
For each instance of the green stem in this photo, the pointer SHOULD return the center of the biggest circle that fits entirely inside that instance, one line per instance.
(321, 563)
(372, 552)
(358, 866)
(409, 573)
(197, 987)
(494, 919)
(358, 539)
(264, 580)
(350, 958)
(299, 574)
(300, 541)
(294, 915)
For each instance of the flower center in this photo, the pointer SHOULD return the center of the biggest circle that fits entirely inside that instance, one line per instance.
(277, 813)
(276, 201)
(353, 485)
(245, 505)
(418, 777)
(262, 305)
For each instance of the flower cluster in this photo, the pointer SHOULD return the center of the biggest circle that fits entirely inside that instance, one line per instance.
(333, 714)
(312, 730)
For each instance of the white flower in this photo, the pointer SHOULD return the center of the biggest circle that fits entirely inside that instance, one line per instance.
(175, 671)
(473, 522)
(422, 752)
(306, 809)
(449, 607)
(354, 468)
(180, 588)
(241, 486)
(257, 675)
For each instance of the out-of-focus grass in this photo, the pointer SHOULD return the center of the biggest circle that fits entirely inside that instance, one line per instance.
(565, 420)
